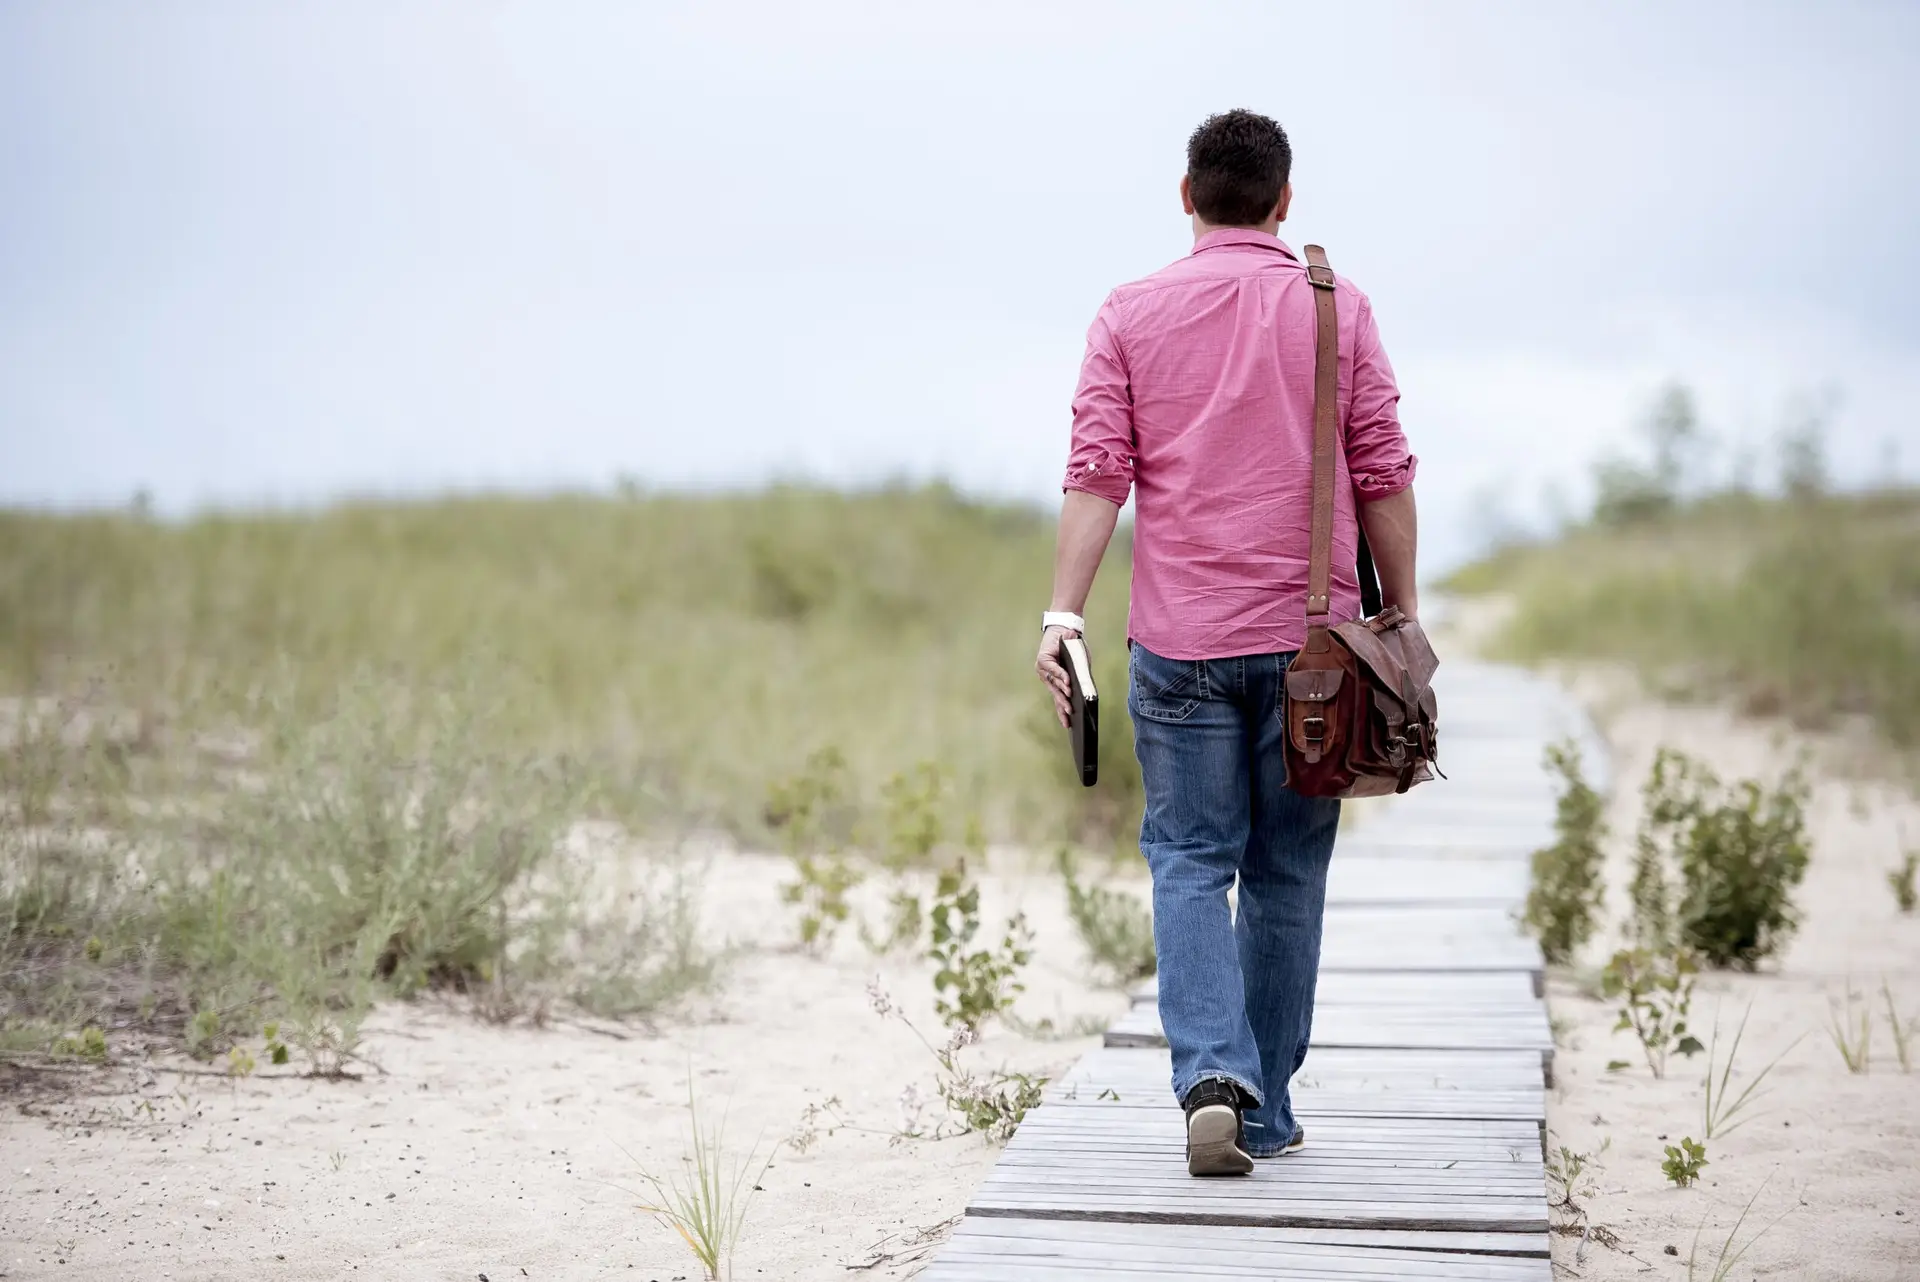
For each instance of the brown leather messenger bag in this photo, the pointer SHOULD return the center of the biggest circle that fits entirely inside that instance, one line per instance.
(1360, 708)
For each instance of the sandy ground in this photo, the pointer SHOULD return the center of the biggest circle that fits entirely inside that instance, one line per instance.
(511, 1152)
(1834, 1158)
(507, 1153)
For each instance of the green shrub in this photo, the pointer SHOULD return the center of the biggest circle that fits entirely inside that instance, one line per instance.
(384, 850)
(1115, 928)
(1717, 866)
(1564, 898)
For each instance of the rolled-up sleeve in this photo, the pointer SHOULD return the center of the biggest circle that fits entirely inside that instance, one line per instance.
(1377, 455)
(1100, 461)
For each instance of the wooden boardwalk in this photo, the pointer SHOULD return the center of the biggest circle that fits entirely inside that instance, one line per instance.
(1424, 1095)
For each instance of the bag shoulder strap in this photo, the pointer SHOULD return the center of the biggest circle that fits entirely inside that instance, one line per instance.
(1326, 410)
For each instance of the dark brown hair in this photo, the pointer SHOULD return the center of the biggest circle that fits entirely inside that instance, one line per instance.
(1237, 164)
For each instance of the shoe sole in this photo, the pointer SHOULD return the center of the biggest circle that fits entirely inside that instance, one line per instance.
(1213, 1143)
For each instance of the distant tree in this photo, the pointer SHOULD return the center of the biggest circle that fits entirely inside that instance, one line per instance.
(1673, 429)
(1803, 448)
(1627, 491)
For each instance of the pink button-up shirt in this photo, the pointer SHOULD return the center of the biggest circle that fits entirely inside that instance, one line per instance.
(1197, 394)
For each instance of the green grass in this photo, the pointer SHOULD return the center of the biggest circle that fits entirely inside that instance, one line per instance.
(1808, 608)
(698, 649)
(270, 769)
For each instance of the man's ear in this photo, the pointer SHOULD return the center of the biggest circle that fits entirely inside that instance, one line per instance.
(1186, 193)
(1286, 198)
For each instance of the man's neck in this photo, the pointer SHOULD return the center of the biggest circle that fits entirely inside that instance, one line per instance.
(1201, 227)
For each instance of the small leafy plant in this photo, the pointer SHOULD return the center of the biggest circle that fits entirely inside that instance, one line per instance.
(1716, 866)
(804, 809)
(1567, 1170)
(203, 1030)
(1564, 898)
(1850, 1026)
(972, 984)
(1656, 992)
(90, 1045)
(820, 892)
(1116, 929)
(914, 802)
(1683, 1162)
(914, 830)
(993, 1104)
(905, 922)
(1902, 878)
(276, 1049)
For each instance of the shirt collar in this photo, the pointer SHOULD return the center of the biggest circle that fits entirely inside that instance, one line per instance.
(1225, 236)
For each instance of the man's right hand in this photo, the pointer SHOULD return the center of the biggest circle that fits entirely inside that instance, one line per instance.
(1049, 667)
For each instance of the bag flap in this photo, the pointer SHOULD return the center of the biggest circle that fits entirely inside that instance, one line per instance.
(1399, 655)
(1314, 685)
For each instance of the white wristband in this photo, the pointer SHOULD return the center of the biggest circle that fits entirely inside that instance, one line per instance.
(1063, 619)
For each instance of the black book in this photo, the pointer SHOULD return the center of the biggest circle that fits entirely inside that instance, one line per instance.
(1083, 721)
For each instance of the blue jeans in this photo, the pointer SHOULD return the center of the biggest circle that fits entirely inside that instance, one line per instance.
(1236, 996)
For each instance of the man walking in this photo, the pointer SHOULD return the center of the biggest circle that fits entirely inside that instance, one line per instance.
(1196, 394)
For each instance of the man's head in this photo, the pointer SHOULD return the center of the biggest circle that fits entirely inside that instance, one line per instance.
(1238, 163)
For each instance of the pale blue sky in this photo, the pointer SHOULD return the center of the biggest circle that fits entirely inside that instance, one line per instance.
(273, 253)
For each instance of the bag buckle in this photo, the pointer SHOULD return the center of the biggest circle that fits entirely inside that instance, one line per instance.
(1314, 731)
(1319, 277)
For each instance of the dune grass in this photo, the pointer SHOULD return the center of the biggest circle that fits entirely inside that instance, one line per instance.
(700, 648)
(268, 769)
(1807, 607)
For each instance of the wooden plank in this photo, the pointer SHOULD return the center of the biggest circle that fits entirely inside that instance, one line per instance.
(1378, 882)
(988, 1248)
(1422, 839)
(1160, 1132)
(1465, 807)
(1440, 1215)
(1416, 846)
(1440, 990)
(1429, 1069)
(1112, 1161)
(1385, 1028)
(1425, 939)
(1359, 1103)
(1519, 1245)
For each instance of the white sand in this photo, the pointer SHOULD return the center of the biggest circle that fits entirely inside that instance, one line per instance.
(489, 1151)
(499, 1151)
(1838, 1155)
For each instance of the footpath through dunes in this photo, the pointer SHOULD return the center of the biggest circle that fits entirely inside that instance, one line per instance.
(1424, 1098)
